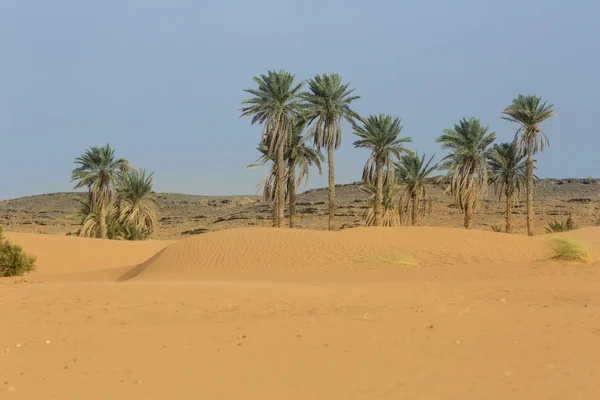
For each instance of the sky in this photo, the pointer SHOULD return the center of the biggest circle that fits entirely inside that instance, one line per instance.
(162, 81)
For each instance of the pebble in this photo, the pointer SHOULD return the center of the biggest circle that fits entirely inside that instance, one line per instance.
(48, 342)
(18, 345)
(502, 300)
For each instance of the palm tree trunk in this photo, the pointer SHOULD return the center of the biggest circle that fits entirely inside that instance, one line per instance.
(379, 194)
(469, 211)
(103, 228)
(280, 199)
(292, 193)
(274, 213)
(331, 186)
(509, 204)
(415, 208)
(530, 188)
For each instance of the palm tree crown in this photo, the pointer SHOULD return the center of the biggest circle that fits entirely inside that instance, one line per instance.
(412, 171)
(380, 134)
(508, 169)
(301, 155)
(98, 169)
(467, 166)
(276, 105)
(529, 112)
(328, 102)
(136, 203)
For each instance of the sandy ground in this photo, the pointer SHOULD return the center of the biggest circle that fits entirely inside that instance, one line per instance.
(258, 313)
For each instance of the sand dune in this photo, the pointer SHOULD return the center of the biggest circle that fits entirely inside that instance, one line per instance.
(66, 255)
(269, 251)
(419, 313)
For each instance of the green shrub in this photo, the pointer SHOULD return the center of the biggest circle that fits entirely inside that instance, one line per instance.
(13, 260)
(497, 228)
(570, 250)
(561, 226)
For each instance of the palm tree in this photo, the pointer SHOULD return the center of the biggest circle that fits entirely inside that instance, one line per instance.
(298, 155)
(135, 207)
(412, 172)
(529, 112)
(327, 102)
(380, 134)
(276, 105)
(509, 174)
(467, 166)
(90, 216)
(100, 172)
(301, 156)
(389, 217)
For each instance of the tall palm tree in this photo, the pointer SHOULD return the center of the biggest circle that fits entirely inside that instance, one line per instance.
(380, 134)
(467, 166)
(389, 217)
(135, 206)
(412, 172)
(299, 156)
(276, 104)
(529, 112)
(327, 102)
(100, 172)
(509, 174)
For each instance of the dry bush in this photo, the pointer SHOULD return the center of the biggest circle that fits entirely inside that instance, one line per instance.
(570, 250)
(13, 260)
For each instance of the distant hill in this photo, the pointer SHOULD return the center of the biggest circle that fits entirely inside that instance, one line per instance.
(182, 214)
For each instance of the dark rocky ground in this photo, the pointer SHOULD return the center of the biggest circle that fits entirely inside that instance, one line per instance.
(181, 215)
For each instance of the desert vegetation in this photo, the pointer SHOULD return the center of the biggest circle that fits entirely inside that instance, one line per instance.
(120, 202)
(393, 173)
(13, 260)
(568, 249)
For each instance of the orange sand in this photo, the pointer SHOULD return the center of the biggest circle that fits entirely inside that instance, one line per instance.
(415, 313)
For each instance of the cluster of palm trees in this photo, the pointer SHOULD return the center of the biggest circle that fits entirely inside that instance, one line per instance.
(120, 202)
(392, 171)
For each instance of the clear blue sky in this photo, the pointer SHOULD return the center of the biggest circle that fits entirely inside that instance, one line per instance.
(161, 81)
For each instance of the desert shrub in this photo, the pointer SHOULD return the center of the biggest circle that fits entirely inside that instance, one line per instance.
(561, 226)
(13, 260)
(497, 228)
(569, 250)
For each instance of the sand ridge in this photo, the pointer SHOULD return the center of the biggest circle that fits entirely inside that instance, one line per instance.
(243, 252)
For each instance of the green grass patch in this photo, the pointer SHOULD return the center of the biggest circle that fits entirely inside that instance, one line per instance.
(13, 260)
(396, 258)
(570, 250)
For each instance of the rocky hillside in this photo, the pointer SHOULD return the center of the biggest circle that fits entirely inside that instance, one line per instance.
(182, 215)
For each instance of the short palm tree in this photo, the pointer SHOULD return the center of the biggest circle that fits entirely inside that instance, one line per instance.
(390, 216)
(276, 104)
(100, 172)
(530, 112)
(412, 171)
(466, 164)
(327, 102)
(508, 172)
(299, 155)
(90, 216)
(135, 206)
(379, 133)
